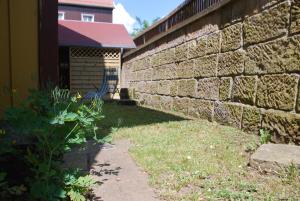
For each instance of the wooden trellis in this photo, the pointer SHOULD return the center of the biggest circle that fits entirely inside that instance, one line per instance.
(87, 67)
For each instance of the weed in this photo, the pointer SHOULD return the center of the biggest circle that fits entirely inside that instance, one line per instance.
(265, 137)
(291, 174)
(251, 147)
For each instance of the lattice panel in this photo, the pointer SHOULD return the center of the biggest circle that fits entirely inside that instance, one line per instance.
(95, 52)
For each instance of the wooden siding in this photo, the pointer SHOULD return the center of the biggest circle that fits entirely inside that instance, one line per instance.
(87, 67)
(74, 13)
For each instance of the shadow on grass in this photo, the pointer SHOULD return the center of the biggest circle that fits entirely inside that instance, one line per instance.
(123, 116)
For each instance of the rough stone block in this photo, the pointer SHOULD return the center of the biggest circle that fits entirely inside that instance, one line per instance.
(146, 63)
(156, 102)
(153, 86)
(251, 120)
(225, 88)
(181, 52)
(167, 56)
(275, 157)
(277, 91)
(295, 17)
(187, 88)
(208, 88)
(155, 59)
(197, 47)
(244, 89)
(268, 24)
(147, 98)
(201, 109)
(231, 37)
(159, 73)
(166, 103)
(170, 72)
(147, 87)
(228, 114)
(141, 86)
(181, 105)
(164, 87)
(206, 66)
(139, 75)
(231, 63)
(174, 88)
(185, 69)
(148, 74)
(278, 56)
(298, 100)
(284, 127)
(213, 43)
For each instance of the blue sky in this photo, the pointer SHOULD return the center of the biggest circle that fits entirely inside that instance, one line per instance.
(126, 10)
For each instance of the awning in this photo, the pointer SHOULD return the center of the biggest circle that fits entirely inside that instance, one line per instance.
(93, 34)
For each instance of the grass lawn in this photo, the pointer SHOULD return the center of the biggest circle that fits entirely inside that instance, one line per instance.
(195, 159)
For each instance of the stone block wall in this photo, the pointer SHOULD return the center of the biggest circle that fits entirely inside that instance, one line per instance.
(238, 65)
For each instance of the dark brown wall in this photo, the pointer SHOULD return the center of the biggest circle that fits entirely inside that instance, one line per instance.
(74, 13)
(48, 42)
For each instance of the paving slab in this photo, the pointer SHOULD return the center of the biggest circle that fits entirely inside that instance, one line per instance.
(119, 177)
(271, 157)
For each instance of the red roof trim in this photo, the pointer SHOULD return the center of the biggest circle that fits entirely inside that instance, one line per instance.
(93, 34)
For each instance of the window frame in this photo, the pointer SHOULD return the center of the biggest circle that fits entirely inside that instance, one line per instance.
(63, 15)
(87, 15)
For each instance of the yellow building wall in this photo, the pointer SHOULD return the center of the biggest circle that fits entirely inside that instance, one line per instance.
(24, 47)
(5, 90)
(18, 41)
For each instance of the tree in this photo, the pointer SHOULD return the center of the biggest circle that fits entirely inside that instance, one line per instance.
(142, 25)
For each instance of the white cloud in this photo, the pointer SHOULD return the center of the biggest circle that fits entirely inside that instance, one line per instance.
(121, 16)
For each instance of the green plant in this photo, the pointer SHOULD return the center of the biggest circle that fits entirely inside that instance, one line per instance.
(251, 147)
(77, 186)
(291, 173)
(265, 137)
(55, 122)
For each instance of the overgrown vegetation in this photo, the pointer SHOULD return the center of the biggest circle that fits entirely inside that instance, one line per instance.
(198, 160)
(42, 129)
(265, 137)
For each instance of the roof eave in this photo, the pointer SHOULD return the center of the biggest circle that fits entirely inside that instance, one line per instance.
(101, 46)
(85, 5)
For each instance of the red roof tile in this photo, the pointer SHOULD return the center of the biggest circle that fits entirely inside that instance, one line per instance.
(93, 34)
(97, 3)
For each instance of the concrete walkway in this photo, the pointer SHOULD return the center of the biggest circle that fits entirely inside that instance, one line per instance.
(120, 178)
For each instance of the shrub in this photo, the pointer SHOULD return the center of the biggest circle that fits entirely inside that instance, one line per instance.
(54, 122)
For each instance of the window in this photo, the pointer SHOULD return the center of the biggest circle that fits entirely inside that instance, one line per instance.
(87, 17)
(61, 15)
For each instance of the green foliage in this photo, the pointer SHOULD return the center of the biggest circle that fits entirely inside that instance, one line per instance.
(265, 137)
(251, 147)
(142, 25)
(55, 122)
(291, 174)
(77, 186)
(232, 195)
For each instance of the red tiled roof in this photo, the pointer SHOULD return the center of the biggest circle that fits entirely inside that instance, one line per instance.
(93, 34)
(97, 3)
